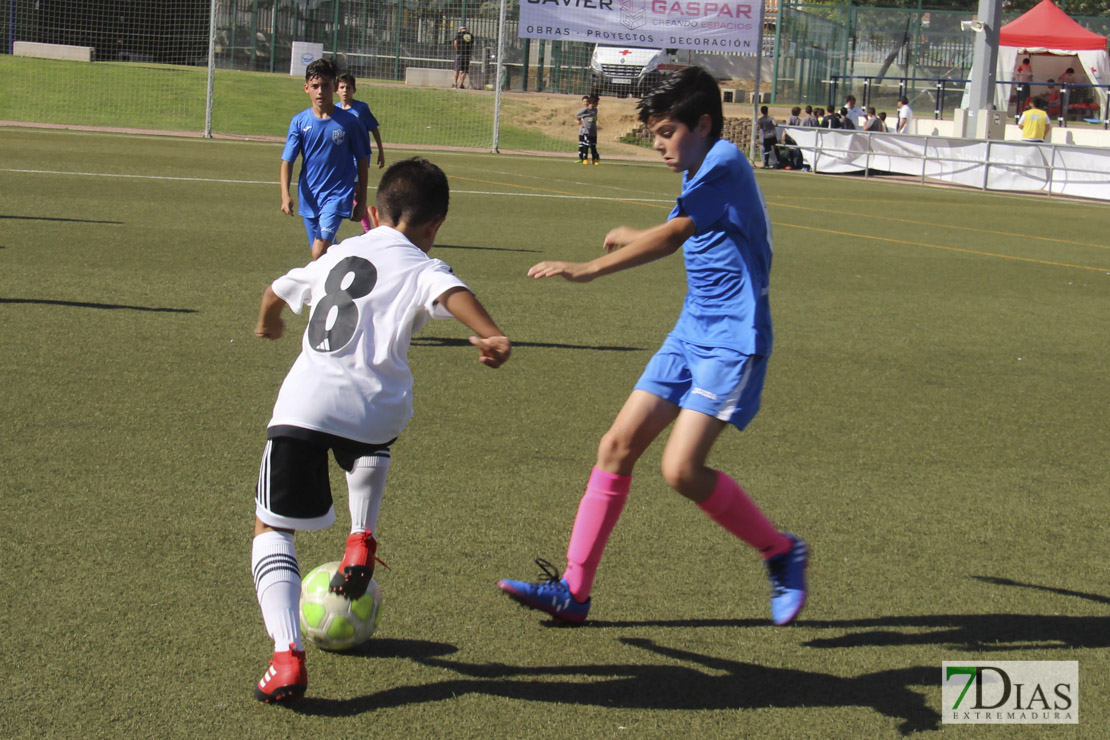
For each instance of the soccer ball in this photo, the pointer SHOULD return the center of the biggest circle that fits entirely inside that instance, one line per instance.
(334, 622)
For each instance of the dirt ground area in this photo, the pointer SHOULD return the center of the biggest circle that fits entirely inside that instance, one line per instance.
(553, 114)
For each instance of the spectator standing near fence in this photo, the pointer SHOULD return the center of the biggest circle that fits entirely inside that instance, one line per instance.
(846, 121)
(905, 116)
(1034, 122)
(464, 45)
(766, 125)
(851, 111)
(873, 123)
(1051, 96)
(1023, 75)
(809, 120)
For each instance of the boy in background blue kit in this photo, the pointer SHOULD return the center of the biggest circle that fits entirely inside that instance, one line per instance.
(334, 149)
(709, 372)
(345, 89)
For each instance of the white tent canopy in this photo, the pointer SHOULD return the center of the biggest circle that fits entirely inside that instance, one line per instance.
(1052, 42)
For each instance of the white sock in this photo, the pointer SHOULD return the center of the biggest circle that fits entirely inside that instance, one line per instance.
(365, 487)
(277, 582)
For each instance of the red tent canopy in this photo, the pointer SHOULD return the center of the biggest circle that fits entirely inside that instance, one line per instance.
(1048, 27)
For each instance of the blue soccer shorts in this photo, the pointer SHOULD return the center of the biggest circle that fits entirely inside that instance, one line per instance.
(325, 226)
(717, 381)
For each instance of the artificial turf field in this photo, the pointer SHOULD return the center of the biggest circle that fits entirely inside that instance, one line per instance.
(934, 424)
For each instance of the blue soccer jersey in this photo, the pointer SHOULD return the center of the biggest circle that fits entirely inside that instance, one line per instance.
(329, 148)
(728, 259)
(361, 111)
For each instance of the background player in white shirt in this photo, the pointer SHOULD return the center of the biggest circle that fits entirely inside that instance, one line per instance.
(350, 392)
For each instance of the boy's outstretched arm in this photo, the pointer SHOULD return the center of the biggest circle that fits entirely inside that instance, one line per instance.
(491, 341)
(647, 246)
(270, 324)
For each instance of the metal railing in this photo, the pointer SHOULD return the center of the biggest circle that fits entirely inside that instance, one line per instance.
(941, 89)
(1054, 169)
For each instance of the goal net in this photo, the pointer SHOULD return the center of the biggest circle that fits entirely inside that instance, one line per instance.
(147, 66)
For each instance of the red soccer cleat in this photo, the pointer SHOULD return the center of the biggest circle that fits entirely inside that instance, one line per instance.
(285, 679)
(353, 575)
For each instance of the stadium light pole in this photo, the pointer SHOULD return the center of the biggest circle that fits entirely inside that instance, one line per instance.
(984, 64)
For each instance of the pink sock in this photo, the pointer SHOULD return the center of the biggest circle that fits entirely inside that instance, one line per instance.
(597, 515)
(366, 223)
(730, 507)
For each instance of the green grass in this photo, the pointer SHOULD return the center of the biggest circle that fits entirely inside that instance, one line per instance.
(934, 424)
(164, 97)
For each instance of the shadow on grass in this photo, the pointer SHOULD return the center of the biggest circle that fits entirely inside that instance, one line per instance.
(456, 342)
(54, 218)
(980, 632)
(713, 683)
(731, 684)
(1051, 589)
(83, 304)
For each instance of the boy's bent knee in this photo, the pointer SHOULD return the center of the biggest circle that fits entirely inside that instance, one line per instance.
(692, 480)
(616, 454)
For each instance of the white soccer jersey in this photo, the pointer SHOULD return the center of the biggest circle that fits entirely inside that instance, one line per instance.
(368, 294)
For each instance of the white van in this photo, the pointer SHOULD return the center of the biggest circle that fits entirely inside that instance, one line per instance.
(630, 70)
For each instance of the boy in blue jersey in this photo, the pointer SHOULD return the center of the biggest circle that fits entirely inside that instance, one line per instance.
(334, 149)
(345, 89)
(709, 372)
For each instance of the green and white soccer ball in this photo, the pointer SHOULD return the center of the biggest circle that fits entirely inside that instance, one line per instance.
(334, 622)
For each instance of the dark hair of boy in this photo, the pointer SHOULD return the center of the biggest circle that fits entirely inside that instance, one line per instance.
(1040, 103)
(685, 96)
(413, 191)
(324, 68)
(348, 78)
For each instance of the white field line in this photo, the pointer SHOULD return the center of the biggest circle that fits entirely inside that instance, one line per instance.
(275, 182)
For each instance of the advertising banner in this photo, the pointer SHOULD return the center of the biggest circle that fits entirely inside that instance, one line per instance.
(732, 27)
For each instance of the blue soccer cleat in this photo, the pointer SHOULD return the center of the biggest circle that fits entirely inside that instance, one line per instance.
(788, 581)
(551, 595)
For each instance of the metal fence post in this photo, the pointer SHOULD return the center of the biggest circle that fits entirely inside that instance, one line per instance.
(924, 159)
(987, 165)
(1051, 169)
(867, 159)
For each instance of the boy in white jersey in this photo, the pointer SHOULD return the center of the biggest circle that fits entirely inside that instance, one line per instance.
(349, 391)
(709, 372)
